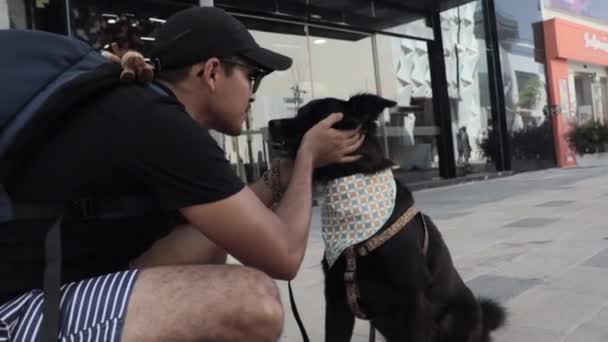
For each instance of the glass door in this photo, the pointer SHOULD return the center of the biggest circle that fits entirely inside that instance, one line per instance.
(583, 88)
(604, 99)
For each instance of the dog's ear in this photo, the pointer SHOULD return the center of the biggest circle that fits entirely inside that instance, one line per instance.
(366, 108)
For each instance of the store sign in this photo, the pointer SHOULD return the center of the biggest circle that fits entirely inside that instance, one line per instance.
(576, 42)
(595, 42)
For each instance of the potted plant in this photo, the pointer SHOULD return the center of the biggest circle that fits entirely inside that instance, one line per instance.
(531, 149)
(590, 141)
(489, 146)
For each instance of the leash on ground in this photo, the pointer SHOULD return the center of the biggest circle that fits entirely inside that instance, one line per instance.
(296, 314)
(294, 309)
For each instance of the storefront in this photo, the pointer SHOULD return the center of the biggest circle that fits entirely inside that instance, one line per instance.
(577, 64)
(440, 60)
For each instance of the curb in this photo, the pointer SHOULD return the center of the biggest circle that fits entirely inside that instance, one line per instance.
(440, 183)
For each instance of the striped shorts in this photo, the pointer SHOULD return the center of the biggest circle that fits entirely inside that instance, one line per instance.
(91, 310)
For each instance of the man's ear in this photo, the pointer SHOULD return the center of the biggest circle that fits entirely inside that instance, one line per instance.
(368, 107)
(208, 71)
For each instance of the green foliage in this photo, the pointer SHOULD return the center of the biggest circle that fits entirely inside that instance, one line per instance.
(531, 143)
(589, 137)
(531, 93)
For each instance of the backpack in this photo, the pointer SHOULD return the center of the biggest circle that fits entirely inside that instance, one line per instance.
(44, 78)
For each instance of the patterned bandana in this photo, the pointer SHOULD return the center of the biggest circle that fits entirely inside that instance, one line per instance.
(354, 209)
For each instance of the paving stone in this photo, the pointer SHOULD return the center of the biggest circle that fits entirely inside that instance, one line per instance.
(599, 260)
(585, 280)
(588, 333)
(501, 288)
(532, 222)
(512, 333)
(555, 204)
(557, 310)
(449, 215)
(533, 266)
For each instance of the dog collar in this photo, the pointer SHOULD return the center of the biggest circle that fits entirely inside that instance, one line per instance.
(354, 209)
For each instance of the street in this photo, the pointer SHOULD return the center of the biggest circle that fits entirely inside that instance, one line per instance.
(537, 242)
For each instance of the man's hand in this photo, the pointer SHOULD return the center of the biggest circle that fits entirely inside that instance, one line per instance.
(328, 145)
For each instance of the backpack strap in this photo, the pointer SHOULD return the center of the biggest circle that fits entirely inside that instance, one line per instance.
(52, 283)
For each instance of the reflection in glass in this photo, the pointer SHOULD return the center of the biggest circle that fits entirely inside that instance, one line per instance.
(130, 24)
(590, 95)
(411, 131)
(17, 14)
(467, 77)
(279, 96)
(525, 84)
(326, 63)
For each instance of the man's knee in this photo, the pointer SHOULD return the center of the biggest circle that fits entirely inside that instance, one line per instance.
(193, 303)
(265, 316)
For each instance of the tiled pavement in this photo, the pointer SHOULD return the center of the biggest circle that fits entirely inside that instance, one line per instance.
(538, 242)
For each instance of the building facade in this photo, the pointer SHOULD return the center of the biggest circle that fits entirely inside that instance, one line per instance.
(576, 39)
(474, 79)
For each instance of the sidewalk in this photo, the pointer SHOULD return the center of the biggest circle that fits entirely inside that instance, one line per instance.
(538, 242)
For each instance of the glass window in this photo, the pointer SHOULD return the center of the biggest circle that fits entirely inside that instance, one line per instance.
(467, 76)
(48, 16)
(279, 96)
(17, 14)
(411, 131)
(416, 27)
(4, 15)
(525, 84)
(131, 24)
(388, 16)
(342, 63)
(326, 63)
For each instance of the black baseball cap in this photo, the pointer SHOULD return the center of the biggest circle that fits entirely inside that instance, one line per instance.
(199, 33)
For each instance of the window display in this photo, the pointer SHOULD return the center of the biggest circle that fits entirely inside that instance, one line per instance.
(130, 24)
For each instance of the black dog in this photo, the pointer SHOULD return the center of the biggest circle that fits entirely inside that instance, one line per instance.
(408, 295)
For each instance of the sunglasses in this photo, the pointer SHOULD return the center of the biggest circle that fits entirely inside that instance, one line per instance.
(255, 74)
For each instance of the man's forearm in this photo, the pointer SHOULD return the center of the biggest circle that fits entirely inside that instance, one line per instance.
(295, 208)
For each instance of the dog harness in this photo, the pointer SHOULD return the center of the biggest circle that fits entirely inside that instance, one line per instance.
(363, 249)
(354, 209)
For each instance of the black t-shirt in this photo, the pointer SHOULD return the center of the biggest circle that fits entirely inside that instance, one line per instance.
(131, 140)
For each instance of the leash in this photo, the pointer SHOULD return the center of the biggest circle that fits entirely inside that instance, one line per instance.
(372, 333)
(296, 314)
(294, 309)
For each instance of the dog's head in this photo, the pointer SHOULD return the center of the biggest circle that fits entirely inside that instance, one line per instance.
(361, 110)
